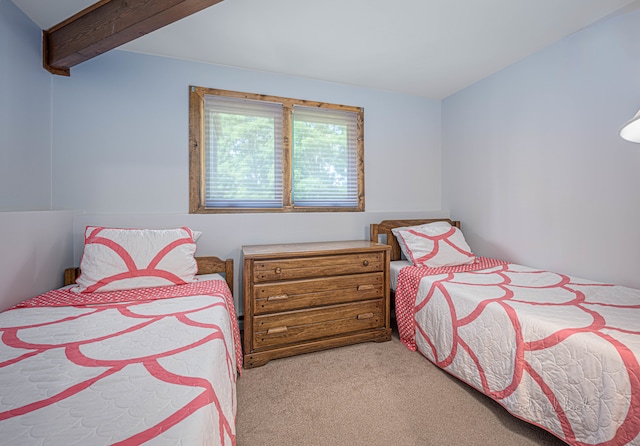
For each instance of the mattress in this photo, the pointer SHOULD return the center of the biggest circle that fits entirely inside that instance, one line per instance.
(557, 351)
(155, 371)
(394, 270)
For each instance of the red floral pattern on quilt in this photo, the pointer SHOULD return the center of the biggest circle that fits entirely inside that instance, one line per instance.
(66, 297)
(557, 351)
(407, 289)
(101, 359)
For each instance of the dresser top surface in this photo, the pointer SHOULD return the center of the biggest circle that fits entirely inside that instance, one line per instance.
(315, 247)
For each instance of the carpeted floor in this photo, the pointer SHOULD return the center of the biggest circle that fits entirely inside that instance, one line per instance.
(370, 394)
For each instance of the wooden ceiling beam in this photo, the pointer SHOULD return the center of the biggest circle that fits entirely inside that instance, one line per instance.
(108, 24)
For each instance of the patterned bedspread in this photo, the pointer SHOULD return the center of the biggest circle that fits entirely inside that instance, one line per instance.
(161, 371)
(557, 351)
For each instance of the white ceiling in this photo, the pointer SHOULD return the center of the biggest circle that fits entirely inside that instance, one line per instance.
(430, 48)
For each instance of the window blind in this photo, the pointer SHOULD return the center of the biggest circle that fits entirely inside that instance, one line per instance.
(324, 157)
(243, 155)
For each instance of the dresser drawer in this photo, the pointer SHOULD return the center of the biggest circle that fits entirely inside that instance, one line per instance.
(307, 293)
(306, 267)
(306, 325)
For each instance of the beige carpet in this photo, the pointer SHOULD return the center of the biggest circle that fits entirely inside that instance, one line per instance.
(370, 394)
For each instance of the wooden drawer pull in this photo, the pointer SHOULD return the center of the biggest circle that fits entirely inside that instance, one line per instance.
(278, 270)
(365, 316)
(365, 287)
(277, 330)
(365, 263)
(278, 297)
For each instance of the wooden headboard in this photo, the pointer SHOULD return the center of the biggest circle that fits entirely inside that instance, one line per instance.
(385, 227)
(206, 265)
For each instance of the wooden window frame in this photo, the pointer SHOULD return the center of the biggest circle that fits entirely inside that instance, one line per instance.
(197, 168)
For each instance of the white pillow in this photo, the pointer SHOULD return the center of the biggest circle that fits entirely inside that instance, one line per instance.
(434, 245)
(122, 259)
(403, 247)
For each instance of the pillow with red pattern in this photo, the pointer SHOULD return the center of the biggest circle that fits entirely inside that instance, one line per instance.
(124, 259)
(434, 245)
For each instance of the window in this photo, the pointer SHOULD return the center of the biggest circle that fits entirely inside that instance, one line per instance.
(255, 153)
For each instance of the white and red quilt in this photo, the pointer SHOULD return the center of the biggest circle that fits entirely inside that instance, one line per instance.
(122, 368)
(557, 351)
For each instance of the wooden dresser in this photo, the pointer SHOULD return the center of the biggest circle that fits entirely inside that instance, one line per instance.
(304, 297)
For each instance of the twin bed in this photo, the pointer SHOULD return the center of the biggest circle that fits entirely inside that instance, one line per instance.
(554, 350)
(146, 352)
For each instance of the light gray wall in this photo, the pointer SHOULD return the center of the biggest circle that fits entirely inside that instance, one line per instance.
(533, 164)
(35, 247)
(120, 134)
(25, 115)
